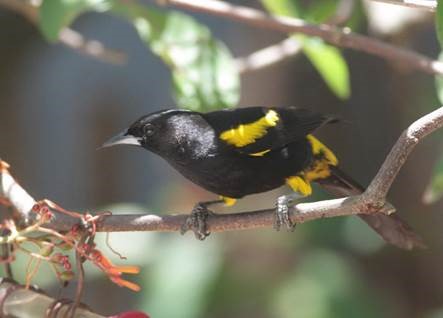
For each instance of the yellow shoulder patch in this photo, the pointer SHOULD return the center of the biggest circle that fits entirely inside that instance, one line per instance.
(228, 201)
(246, 134)
(319, 148)
(300, 185)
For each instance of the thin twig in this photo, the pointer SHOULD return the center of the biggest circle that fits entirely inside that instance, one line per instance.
(342, 37)
(69, 37)
(429, 5)
(380, 185)
(80, 277)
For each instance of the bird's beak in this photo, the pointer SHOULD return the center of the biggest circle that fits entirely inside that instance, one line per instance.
(122, 138)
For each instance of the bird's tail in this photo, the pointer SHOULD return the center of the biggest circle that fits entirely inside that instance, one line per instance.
(390, 227)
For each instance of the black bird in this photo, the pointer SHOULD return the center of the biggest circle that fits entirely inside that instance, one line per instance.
(237, 152)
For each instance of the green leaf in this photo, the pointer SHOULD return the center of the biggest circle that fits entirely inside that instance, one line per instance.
(320, 11)
(288, 8)
(439, 82)
(327, 59)
(184, 272)
(313, 292)
(203, 72)
(330, 63)
(434, 190)
(54, 15)
(439, 22)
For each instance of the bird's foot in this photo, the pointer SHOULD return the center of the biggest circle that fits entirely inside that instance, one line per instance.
(196, 222)
(282, 212)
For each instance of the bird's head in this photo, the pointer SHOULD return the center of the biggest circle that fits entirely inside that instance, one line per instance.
(166, 132)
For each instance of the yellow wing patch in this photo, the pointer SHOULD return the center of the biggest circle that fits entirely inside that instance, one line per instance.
(299, 184)
(260, 154)
(228, 201)
(246, 134)
(318, 170)
(319, 148)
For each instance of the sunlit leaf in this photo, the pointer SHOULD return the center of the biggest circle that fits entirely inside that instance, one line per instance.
(288, 8)
(434, 190)
(203, 72)
(320, 11)
(331, 65)
(54, 15)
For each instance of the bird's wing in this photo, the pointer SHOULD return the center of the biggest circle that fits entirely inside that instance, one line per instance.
(258, 130)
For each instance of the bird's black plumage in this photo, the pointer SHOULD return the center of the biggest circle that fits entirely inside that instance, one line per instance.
(243, 151)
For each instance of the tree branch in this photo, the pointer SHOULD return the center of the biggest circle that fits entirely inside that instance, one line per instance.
(341, 37)
(289, 47)
(429, 5)
(69, 37)
(380, 185)
(371, 201)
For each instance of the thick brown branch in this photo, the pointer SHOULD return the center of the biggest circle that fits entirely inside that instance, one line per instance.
(371, 201)
(341, 37)
(302, 212)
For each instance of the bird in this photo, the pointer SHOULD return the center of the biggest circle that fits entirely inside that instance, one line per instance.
(242, 151)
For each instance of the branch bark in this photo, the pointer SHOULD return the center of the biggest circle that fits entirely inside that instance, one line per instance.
(342, 37)
(373, 200)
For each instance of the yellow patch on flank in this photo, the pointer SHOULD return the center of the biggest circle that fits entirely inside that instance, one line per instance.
(228, 201)
(299, 184)
(246, 134)
(261, 153)
(319, 148)
(318, 170)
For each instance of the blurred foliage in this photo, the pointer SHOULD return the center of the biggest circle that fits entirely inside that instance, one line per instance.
(203, 72)
(439, 22)
(279, 275)
(327, 59)
(325, 285)
(434, 190)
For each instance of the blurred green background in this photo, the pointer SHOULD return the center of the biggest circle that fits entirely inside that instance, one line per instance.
(57, 106)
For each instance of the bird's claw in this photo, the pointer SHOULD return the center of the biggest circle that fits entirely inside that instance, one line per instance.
(196, 222)
(282, 213)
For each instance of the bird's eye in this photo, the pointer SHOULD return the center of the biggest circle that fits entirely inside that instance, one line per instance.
(148, 130)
